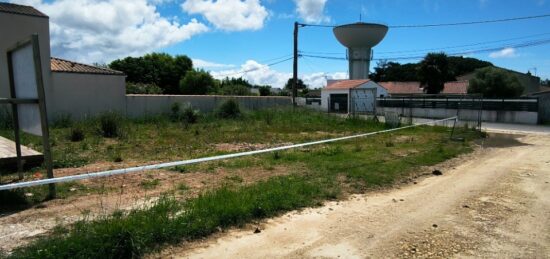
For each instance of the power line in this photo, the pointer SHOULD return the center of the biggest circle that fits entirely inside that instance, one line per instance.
(465, 45)
(256, 68)
(471, 22)
(516, 46)
(433, 49)
(445, 24)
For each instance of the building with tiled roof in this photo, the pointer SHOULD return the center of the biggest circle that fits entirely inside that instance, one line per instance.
(20, 9)
(402, 88)
(336, 96)
(408, 88)
(66, 66)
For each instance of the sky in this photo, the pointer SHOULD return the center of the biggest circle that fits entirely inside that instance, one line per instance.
(227, 37)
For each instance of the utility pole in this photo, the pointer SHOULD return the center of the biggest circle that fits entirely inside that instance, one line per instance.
(295, 66)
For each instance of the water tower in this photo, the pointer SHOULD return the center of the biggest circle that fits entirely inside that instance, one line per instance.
(360, 38)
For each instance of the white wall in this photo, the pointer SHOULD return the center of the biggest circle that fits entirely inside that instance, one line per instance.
(85, 95)
(325, 94)
(140, 105)
(15, 28)
(519, 117)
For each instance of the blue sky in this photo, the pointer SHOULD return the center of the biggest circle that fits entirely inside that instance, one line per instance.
(228, 36)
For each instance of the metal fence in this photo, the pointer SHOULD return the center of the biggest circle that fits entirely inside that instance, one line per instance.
(467, 103)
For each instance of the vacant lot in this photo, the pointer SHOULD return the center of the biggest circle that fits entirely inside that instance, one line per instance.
(203, 199)
(493, 203)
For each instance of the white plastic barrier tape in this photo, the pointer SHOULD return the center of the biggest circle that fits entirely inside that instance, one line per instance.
(197, 160)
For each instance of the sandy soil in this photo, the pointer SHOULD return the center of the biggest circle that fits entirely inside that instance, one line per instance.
(495, 203)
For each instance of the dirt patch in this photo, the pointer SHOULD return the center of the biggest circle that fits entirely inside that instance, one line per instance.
(501, 140)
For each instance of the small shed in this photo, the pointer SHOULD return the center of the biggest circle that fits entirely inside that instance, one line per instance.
(351, 96)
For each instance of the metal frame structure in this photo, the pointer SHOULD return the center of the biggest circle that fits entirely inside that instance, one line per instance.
(40, 101)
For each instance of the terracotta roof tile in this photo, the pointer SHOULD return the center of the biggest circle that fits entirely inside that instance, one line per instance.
(20, 9)
(61, 65)
(346, 84)
(458, 87)
(402, 87)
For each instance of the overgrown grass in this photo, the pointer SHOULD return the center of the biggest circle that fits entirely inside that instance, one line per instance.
(316, 174)
(159, 138)
(131, 235)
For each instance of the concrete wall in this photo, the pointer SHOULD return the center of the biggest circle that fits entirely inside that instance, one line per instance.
(140, 105)
(519, 117)
(85, 95)
(544, 106)
(325, 94)
(15, 28)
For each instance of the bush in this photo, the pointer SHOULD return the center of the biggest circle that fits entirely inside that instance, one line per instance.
(187, 115)
(62, 121)
(110, 125)
(229, 109)
(76, 134)
(141, 88)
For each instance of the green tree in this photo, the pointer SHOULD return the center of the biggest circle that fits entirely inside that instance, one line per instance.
(265, 90)
(198, 82)
(434, 72)
(300, 84)
(392, 71)
(495, 83)
(236, 89)
(159, 69)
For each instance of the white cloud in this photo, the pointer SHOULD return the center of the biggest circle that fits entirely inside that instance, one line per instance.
(504, 53)
(229, 15)
(312, 11)
(261, 74)
(103, 30)
(200, 63)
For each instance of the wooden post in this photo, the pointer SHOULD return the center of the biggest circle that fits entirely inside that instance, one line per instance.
(43, 114)
(295, 65)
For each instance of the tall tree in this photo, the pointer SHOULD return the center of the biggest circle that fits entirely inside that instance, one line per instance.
(299, 85)
(495, 83)
(434, 72)
(198, 82)
(159, 69)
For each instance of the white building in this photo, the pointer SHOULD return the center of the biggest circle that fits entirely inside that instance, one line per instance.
(345, 96)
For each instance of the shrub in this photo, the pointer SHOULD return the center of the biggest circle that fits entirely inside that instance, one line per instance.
(141, 88)
(187, 115)
(76, 134)
(62, 121)
(110, 125)
(229, 109)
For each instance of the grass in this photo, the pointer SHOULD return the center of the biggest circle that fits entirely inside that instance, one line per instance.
(316, 174)
(158, 138)
(135, 233)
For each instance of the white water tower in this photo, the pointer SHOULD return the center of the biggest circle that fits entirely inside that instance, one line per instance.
(360, 38)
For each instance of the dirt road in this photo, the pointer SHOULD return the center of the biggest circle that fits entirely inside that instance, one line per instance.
(495, 203)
